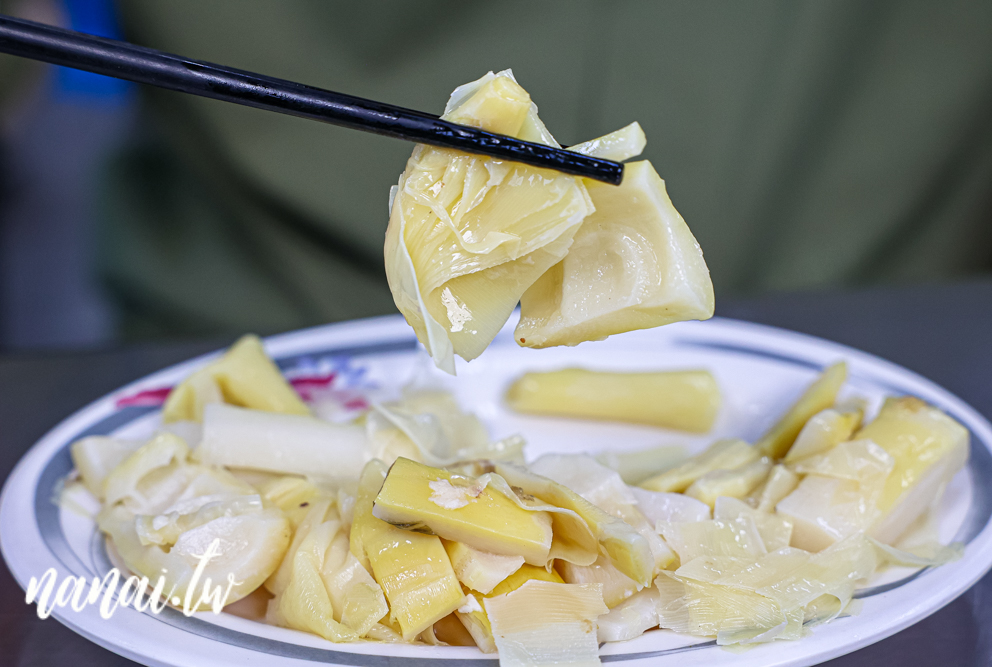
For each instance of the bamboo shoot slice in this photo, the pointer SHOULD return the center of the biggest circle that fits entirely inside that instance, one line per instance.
(457, 508)
(721, 455)
(468, 234)
(245, 376)
(634, 264)
(480, 570)
(628, 549)
(281, 443)
(473, 615)
(733, 483)
(685, 400)
(544, 623)
(928, 448)
(818, 396)
(824, 430)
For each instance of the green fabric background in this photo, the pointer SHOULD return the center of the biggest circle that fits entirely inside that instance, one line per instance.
(807, 144)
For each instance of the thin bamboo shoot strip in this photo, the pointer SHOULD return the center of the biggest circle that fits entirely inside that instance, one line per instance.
(685, 400)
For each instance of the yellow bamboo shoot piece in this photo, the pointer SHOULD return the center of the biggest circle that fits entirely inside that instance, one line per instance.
(461, 509)
(721, 455)
(245, 376)
(293, 495)
(185, 402)
(928, 448)
(819, 396)
(824, 430)
(412, 568)
(685, 400)
(734, 483)
(305, 603)
(634, 264)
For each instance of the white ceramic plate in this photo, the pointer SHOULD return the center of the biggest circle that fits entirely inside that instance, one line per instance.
(760, 371)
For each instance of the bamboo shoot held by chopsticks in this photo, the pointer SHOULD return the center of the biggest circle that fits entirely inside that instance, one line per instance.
(684, 400)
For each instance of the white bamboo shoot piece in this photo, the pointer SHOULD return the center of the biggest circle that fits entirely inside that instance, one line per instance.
(293, 444)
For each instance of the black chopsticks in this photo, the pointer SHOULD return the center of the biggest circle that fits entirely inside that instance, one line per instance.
(135, 63)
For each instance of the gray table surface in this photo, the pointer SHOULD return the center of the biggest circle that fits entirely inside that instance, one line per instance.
(942, 332)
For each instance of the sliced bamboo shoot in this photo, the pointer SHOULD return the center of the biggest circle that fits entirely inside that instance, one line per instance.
(685, 400)
(468, 234)
(245, 376)
(634, 264)
(818, 396)
(628, 549)
(733, 483)
(473, 614)
(721, 455)
(412, 568)
(282, 443)
(780, 482)
(460, 509)
(824, 430)
(544, 623)
(480, 570)
(928, 448)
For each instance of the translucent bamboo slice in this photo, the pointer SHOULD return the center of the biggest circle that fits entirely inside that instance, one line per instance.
(634, 467)
(620, 145)
(468, 235)
(775, 530)
(631, 618)
(252, 546)
(634, 264)
(304, 604)
(293, 495)
(473, 614)
(544, 623)
(159, 452)
(96, 456)
(840, 494)
(605, 489)
(358, 600)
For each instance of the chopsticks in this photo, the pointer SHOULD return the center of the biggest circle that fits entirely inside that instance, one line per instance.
(123, 60)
